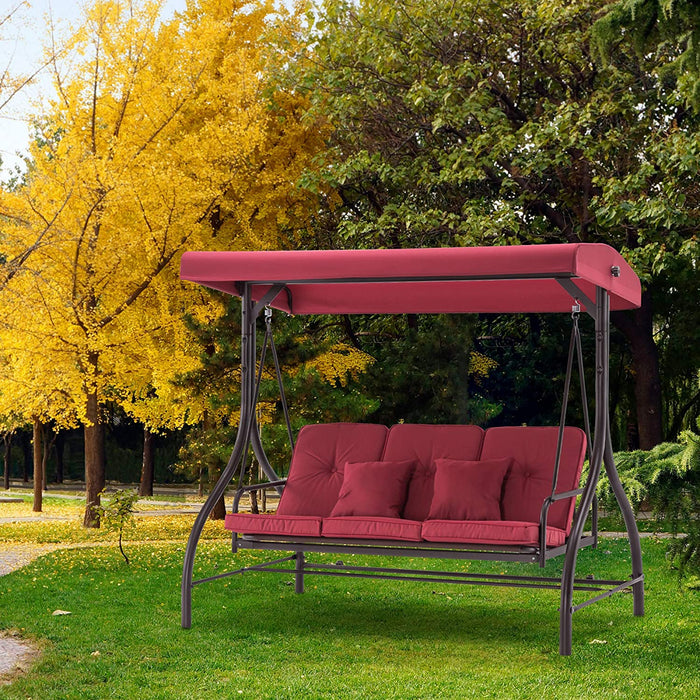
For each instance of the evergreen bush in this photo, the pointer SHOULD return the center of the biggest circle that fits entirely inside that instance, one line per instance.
(665, 480)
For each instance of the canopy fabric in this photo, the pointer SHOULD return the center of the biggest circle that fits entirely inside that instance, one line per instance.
(499, 279)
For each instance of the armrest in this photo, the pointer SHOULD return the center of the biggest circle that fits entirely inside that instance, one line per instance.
(565, 494)
(543, 517)
(255, 487)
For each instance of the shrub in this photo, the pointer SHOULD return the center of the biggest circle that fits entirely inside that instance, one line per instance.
(118, 514)
(666, 479)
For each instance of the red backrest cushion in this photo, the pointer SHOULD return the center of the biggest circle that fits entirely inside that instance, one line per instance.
(468, 490)
(529, 481)
(373, 488)
(424, 444)
(318, 464)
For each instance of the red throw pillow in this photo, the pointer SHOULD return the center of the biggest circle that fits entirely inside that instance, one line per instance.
(466, 490)
(374, 488)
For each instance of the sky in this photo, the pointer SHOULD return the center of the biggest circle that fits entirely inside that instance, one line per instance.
(21, 47)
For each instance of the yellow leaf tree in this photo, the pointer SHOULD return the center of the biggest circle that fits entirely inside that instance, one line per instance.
(162, 136)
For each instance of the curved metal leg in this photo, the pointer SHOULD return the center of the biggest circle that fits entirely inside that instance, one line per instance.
(191, 549)
(299, 575)
(240, 446)
(630, 525)
(566, 611)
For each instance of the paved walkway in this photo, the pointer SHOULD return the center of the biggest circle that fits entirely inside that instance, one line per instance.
(16, 556)
(39, 517)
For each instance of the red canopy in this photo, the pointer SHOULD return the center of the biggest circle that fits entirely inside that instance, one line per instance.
(505, 279)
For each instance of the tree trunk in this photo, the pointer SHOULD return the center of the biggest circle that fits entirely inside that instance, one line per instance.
(219, 511)
(7, 458)
(48, 444)
(263, 492)
(213, 472)
(637, 327)
(677, 424)
(38, 465)
(27, 462)
(94, 461)
(147, 465)
(60, 443)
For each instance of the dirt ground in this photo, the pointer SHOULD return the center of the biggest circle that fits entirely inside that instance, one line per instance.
(16, 655)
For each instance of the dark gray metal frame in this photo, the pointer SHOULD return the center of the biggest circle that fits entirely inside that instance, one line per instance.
(600, 454)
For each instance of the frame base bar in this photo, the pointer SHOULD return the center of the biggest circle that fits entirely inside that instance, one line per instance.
(318, 568)
(429, 579)
(428, 576)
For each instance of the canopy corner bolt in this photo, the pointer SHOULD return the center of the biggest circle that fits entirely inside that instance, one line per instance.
(615, 270)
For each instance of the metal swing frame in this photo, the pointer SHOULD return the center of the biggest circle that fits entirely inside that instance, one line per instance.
(600, 456)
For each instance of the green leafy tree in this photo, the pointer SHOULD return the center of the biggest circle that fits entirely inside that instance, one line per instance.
(484, 123)
(426, 369)
(671, 26)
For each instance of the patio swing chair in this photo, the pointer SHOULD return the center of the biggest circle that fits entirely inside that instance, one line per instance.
(435, 491)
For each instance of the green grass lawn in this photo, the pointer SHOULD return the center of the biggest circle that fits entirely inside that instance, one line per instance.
(344, 638)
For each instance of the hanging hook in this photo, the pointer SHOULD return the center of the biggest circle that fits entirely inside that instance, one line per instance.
(268, 315)
(575, 309)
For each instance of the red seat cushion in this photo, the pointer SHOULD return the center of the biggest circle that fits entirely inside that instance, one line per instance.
(373, 488)
(529, 481)
(424, 444)
(372, 528)
(320, 455)
(272, 524)
(499, 532)
(468, 490)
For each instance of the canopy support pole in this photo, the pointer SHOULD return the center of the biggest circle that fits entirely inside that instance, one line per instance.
(602, 329)
(600, 452)
(246, 435)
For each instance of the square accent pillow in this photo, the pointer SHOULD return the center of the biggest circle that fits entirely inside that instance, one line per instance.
(467, 490)
(374, 489)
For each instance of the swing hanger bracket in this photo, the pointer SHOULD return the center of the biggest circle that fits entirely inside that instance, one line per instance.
(577, 295)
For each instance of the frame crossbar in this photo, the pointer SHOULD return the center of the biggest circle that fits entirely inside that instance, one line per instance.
(621, 587)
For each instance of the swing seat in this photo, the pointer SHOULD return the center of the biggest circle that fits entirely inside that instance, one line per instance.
(459, 492)
(434, 478)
